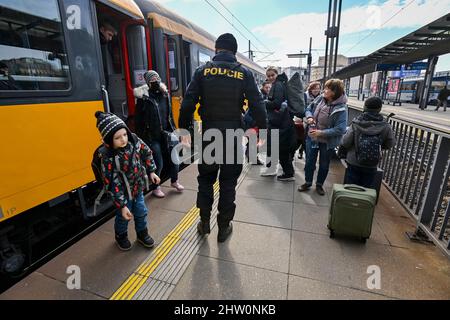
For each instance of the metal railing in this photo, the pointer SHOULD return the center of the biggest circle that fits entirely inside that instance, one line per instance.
(417, 172)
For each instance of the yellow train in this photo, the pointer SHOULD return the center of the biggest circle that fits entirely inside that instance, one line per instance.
(54, 74)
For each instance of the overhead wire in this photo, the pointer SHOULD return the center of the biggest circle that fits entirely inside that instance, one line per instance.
(374, 31)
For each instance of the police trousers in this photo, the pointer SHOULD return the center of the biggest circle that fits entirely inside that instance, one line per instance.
(228, 175)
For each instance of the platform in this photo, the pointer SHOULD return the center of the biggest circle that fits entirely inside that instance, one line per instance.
(280, 249)
(429, 117)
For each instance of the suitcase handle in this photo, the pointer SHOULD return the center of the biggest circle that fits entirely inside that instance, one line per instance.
(355, 188)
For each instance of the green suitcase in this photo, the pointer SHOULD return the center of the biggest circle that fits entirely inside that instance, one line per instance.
(351, 212)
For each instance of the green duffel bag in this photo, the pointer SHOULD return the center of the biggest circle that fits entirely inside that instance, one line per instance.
(351, 212)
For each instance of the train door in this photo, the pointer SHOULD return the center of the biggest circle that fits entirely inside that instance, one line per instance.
(186, 65)
(125, 56)
(174, 72)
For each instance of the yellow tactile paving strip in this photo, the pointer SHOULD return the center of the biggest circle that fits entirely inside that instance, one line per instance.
(136, 281)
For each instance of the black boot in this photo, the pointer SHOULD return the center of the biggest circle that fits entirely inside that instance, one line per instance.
(224, 233)
(122, 242)
(320, 190)
(203, 228)
(144, 238)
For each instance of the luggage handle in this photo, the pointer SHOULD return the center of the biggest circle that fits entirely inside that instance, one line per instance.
(354, 188)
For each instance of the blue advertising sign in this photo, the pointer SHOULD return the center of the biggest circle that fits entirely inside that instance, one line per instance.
(388, 67)
(406, 74)
(417, 66)
(399, 67)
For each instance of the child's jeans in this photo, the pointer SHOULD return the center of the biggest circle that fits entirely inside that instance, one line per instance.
(364, 177)
(139, 210)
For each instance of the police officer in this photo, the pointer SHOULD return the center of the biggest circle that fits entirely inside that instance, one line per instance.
(221, 86)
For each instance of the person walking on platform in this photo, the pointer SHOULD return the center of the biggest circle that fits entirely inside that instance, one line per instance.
(154, 125)
(221, 87)
(366, 137)
(280, 118)
(126, 166)
(327, 123)
(442, 98)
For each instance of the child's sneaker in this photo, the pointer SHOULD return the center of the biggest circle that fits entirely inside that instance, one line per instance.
(158, 193)
(122, 242)
(177, 186)
(144, 238)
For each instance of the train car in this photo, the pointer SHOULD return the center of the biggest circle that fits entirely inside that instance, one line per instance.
(411, 88)
(55, 73)
(52, 82)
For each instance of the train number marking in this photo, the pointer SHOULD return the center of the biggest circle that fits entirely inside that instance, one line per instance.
(10, 212)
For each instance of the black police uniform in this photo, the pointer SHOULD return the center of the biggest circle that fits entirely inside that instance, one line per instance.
(221, 86)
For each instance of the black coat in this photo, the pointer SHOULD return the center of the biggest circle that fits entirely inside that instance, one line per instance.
(150, 121)
(279, 115)
(274, 103)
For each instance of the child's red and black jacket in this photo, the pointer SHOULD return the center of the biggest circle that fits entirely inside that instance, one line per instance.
(126, 171)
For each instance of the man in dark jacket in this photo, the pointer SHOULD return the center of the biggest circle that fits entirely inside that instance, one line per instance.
(221, 87)
(369, 127)
(442, 97)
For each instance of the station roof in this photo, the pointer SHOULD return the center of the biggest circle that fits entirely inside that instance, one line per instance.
(432, 39)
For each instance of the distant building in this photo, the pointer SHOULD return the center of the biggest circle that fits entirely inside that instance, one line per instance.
(342, 61)
(353, 60)
(317, 72)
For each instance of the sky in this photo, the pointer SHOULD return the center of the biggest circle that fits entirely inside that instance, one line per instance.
(285, 26)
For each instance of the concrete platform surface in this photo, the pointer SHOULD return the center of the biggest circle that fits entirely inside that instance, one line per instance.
(280, 249)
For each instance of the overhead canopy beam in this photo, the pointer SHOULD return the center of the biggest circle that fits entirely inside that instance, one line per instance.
(408, 49)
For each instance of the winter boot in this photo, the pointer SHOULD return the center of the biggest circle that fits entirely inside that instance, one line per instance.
(224, 233)
(122, 242)
(203, 228)
(144, 238)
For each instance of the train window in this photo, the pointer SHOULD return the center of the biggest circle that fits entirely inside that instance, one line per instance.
(203, 58)
(32, 50)
(173, 64)
(437, 85)
(137, 51)
(409, 86)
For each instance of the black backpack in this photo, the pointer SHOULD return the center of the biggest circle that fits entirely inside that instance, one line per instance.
(295, 94)
(96, 165)
(368, 149)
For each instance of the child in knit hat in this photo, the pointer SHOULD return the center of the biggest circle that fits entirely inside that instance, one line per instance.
(366, 137)
(126, 170)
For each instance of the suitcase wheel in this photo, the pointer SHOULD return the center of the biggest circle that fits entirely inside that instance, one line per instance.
(332, 235)
(364, 240)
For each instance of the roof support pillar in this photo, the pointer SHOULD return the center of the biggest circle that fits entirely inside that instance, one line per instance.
(425, 94)
(360, 88)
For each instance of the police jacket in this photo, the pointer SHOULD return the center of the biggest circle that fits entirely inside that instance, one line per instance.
(221, 86)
